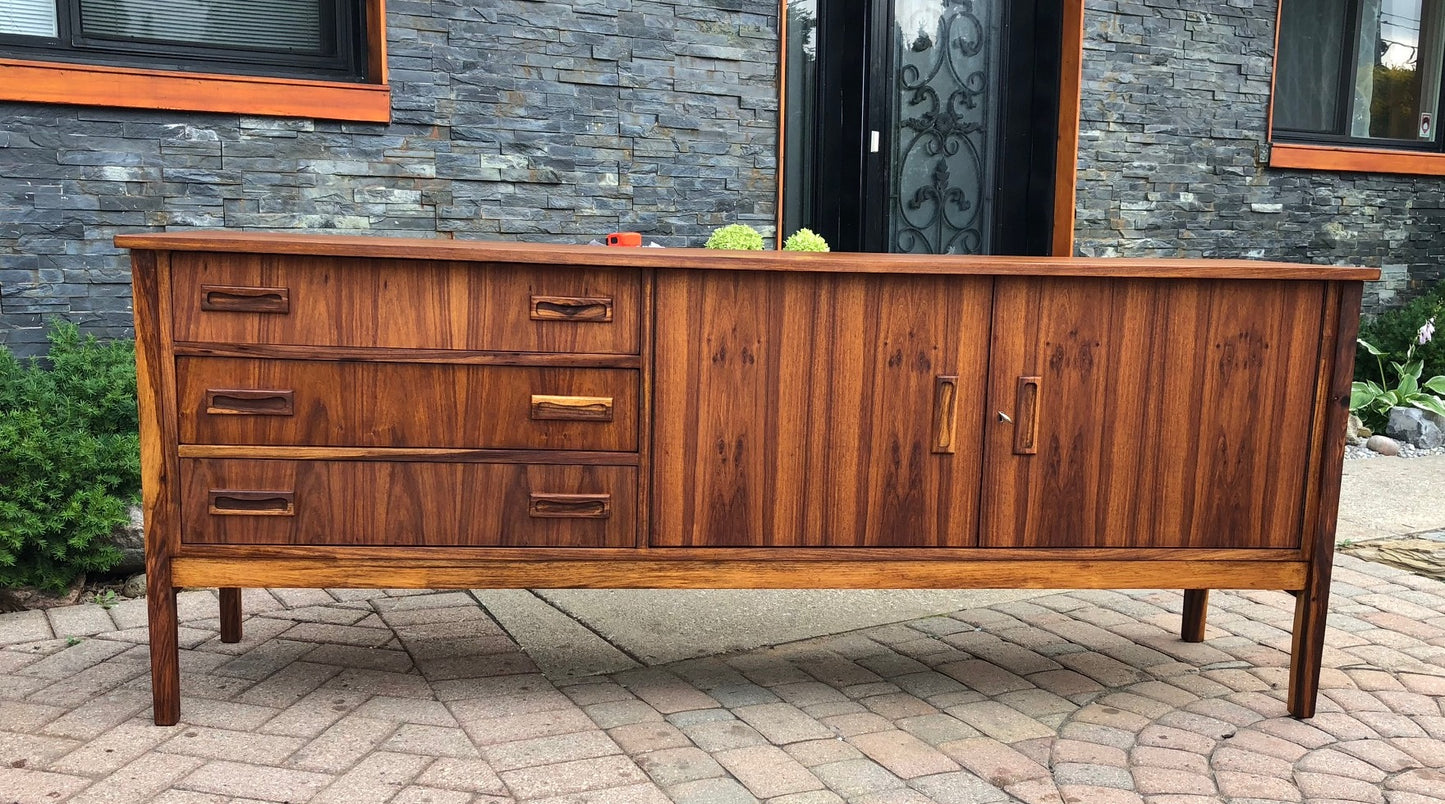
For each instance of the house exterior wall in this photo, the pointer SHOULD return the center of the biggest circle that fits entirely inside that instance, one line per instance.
(554, 121)
(1172, 136)
(511, 120)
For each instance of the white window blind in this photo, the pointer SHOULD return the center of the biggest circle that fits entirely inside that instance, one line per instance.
(284, 25)
(28, 18)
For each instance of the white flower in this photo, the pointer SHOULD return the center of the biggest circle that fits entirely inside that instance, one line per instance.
(1426, 332)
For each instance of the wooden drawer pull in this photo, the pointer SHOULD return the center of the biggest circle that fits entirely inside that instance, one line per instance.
(1026, 429)
(245, 402)
(235, 299)
(570, 506)
(571, 408)
(229, 502)
(945, 414)
(571, 308)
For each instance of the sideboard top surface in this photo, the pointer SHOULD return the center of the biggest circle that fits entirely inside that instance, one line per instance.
(367, 246)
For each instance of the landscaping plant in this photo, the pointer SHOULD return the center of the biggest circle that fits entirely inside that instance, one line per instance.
(735, 237)
(805, 240)
(1372, 402)
(69, 458)
(1396, 334)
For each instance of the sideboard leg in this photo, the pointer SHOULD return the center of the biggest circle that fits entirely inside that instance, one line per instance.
(230, 614)
(1196, 611)
(165, 648)
(1308, 646)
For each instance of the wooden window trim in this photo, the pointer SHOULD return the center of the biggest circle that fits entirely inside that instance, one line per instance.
(125, 87)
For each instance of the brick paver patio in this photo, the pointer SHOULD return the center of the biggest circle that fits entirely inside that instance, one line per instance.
(406, 697)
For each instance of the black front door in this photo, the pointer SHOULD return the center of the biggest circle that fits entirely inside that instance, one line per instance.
(923, 126)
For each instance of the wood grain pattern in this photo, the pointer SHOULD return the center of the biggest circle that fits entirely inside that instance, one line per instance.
(371, 355)
(629, 572)
(1161, 406)
(417, 504)
(945, 414)
(422, 305)
(413, 405)
(417, 454)
(1066, 155)
(1356, 160)
(363, 249)
(230, 614)
(798, 410)
(1196, 612)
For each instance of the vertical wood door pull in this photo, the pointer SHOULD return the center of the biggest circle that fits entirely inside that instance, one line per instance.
(239, 299)
(945, 414)
(1026, 428)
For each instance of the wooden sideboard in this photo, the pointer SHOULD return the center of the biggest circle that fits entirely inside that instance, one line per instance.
(371, 412)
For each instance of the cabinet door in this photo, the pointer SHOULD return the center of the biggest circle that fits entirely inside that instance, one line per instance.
(1149, 413)
(807, 409)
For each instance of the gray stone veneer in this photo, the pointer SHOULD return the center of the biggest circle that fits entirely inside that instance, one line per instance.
(563, 121)
(1172, 140)
(511, 119)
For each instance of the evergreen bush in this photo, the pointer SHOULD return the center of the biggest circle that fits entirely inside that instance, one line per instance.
(69, 458)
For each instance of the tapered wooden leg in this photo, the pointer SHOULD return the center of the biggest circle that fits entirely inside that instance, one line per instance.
(165, 650)
(1308, 646)
(230, 614)
(1196, 610)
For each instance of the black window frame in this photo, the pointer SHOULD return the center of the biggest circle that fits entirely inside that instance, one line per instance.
(343, 56)
(1344, 98)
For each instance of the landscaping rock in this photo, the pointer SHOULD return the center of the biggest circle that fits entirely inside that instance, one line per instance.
(130, 540)
(1416, 427)
(135, 586)
(1383, 445)
(1355, 432)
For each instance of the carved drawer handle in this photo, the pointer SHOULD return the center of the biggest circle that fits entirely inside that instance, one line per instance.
(237, 299)
(945, 413)
(570, 506)
(245, 402)
(546, 407)
(230, 502)
(1027, 429)
(572, 308)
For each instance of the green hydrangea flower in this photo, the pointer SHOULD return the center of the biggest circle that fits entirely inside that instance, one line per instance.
(736, 237)
(805, 240)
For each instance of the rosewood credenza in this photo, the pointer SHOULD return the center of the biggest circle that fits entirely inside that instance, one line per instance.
(372, 412)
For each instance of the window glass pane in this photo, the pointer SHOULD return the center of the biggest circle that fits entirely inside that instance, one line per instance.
(801, 92)
(279, 25)
(1397, 73)
(28, 17)
(1312, 53)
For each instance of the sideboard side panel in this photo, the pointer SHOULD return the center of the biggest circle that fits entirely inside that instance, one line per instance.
(1171, 413)
(797, 410)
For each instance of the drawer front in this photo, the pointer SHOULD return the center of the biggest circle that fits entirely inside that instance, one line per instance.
(378, 503)
(346, 404)
(330, 301)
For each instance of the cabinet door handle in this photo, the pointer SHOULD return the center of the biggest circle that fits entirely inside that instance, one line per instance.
(570, 506)
(572, 308)
(236, 299)
(245, 402)
(945, 413)
(231, 502)
(1026, 430)
(546, 407)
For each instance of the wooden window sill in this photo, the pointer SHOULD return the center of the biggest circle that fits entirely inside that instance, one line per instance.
(94, 85)
(1356, 160)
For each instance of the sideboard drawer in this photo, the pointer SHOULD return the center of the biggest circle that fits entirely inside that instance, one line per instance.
(352, 404)
(407, 504)
(320, 301)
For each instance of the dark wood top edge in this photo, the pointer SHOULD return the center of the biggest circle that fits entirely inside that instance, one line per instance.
(369, 246)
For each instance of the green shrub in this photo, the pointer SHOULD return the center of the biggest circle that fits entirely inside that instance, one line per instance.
(69, 458)
(805, 240)
(1395, 331)
(735, 237)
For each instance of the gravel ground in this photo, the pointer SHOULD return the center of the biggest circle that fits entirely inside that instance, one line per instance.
(1406, 451)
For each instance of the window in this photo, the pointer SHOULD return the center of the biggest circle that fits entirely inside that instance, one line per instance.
(1362, 75)
(292, 38)
(302, 58)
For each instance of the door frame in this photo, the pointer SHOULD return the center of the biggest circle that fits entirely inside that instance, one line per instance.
(1066, 151)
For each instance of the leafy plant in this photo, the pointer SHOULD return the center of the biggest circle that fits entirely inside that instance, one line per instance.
(735, 237)
(106, 599)
(1375, 400)
(805, 240)
(69, 458)
(1396, 333)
